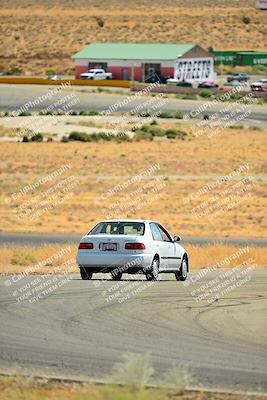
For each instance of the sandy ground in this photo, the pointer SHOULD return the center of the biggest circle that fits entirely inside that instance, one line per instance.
(41, 36)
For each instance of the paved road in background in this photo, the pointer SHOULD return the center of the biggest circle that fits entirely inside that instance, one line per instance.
(43, 239)
(12, 97)
(79, 331)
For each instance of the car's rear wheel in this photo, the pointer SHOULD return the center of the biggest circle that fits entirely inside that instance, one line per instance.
(153, 273)
(181, 275)
(85, 274)
(116, 276)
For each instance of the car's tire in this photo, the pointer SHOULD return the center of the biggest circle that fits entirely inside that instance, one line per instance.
(181, 275)
(107, 77)
(85, 274)
(116, 276)
(153, 273)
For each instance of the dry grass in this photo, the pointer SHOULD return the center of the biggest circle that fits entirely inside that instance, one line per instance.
(38, 36)
(21, 388)
(96, 166)
(16, 260)
(205, 257)
(6, 131)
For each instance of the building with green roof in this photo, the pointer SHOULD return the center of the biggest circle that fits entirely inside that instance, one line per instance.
(146, 62)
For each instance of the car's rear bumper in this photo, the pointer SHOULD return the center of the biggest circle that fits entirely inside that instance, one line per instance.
(108, 262)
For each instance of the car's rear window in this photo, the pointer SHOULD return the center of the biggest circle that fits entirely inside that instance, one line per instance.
(118, 228)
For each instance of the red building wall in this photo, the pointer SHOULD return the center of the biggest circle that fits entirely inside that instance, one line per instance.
(167, 71)
(79, 69)
(118, 71)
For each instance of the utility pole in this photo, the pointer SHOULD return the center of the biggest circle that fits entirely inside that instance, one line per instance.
(221, 58)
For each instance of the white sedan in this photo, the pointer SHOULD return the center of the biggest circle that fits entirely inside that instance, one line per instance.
(131, 246)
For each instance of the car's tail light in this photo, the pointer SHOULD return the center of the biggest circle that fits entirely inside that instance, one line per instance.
(86, 246)
(135, 246)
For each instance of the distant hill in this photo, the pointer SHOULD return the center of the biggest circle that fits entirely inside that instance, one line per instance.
(78, 4)
(39, 36)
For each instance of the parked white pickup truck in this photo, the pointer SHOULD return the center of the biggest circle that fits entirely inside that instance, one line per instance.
(96, 74)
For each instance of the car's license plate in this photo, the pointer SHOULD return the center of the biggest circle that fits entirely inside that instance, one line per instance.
(109, 246)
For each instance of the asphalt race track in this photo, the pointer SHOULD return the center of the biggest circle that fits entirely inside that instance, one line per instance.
(61, 326)
(83, 327)
(12, 97)
(11, 239)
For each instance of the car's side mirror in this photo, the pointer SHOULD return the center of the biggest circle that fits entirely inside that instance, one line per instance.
(177, 238)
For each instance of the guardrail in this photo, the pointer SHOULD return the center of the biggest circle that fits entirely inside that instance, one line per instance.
(79, 82)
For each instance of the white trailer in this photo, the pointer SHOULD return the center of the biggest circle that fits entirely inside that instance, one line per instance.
(261, 4)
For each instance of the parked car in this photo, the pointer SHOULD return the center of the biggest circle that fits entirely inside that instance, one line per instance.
(54, 77)
(260, 85)
(227, 87)
(95, 73)
(131, 246)
(238, 76)
(208, 85)
(158, 78)
(184, 84)
(164, 78)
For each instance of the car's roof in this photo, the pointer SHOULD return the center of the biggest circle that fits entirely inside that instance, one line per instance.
(127, 220)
